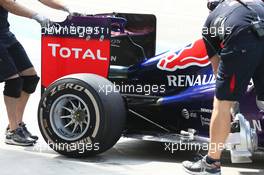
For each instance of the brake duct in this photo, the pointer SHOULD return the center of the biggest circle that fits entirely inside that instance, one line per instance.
(242, 144)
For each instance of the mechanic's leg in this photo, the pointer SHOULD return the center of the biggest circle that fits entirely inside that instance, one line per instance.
(219, 127)
(30, 78)
(12, 93)
(21, 105)
(258, 80)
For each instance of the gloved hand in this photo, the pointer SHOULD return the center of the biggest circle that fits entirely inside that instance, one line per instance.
(71, 12)
(68, 10)
(43, 20)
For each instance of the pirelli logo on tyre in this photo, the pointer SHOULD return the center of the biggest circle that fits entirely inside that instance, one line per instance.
(66, 86)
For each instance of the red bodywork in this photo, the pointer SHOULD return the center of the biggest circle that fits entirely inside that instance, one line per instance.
(70, 54)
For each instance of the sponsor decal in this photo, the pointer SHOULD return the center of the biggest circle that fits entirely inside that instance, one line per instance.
(115, 42)
(204, 110)
(63, 56)
(193, 115)
(185, 114)
(188, 114)
(190, 80)
(205, 121)
(66, 86)
(257, 125)
(57, 51)
(192, 55)
(76, 45)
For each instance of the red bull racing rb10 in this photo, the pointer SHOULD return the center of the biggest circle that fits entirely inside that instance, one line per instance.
(102, 80)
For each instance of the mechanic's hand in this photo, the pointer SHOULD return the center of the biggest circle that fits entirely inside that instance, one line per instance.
(43, 20)
(72, 12)
(68, 10)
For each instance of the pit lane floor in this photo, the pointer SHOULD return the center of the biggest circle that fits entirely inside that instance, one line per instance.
(128, 157)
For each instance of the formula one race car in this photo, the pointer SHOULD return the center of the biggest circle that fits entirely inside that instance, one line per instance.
(101, 80)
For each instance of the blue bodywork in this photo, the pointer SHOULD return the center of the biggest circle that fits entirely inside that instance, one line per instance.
(183, 105)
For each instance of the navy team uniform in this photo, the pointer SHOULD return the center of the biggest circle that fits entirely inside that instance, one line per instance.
(241, 49)
(13, 58)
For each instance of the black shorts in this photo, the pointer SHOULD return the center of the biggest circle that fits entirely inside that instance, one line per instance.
(13, 58)
(241, 60)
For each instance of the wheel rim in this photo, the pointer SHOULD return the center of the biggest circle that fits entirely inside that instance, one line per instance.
(70, 117)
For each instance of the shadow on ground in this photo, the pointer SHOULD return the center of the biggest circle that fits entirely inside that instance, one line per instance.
(135, 152)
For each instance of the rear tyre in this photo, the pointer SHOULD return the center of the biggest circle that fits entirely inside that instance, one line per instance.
(77, 118)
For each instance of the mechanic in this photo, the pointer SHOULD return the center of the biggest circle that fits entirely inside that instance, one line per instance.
(17, 71)
(236, 52)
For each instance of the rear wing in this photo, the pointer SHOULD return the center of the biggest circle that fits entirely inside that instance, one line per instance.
(90, 44)
(138, 42)
(77, 45)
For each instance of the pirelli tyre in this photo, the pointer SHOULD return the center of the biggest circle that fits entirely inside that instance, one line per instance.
(81, 115)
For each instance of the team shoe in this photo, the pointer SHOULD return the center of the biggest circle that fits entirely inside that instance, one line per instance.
(25, 130)
(27, 133)
(18, 138)
(205, 166)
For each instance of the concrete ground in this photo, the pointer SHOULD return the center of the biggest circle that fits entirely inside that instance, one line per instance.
(128, 157)
(178, 23)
